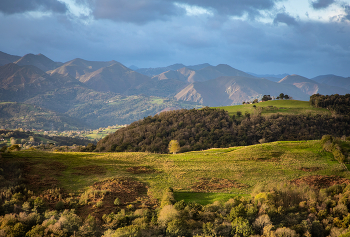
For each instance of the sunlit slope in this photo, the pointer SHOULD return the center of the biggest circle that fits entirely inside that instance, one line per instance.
(201, 176)
(276, 106)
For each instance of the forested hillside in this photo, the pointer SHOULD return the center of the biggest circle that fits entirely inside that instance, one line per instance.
(337, 103)
(211, 128)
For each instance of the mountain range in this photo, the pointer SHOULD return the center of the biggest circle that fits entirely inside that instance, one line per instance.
(107, 93)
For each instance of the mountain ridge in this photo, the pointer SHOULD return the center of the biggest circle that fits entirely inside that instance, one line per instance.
(82, 89)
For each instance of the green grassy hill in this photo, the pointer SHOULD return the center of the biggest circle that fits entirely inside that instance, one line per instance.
(202, 176)
(277, 106)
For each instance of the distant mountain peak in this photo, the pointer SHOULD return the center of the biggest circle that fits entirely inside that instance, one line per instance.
(38, 60)
(294, 78)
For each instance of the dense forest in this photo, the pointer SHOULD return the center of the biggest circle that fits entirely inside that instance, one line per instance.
(337, 103)
(214, 128)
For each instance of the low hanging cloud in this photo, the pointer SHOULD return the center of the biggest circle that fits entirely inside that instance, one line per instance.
(285, 18)
(322, 4)
(9, 7)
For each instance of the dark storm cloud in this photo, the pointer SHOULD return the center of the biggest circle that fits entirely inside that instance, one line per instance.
(322, 4)
(142, 11)
(291, 45)
(285, 18)
(136, 11)
(19, 6)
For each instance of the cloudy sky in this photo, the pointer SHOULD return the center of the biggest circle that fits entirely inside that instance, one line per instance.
(305, 37)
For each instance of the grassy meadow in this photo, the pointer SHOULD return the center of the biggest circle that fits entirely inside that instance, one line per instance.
(201, 176)
(276, 106)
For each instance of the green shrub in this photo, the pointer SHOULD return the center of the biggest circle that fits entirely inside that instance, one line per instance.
(14, 147)
(168, 197)
(39, 205)
(176, 227)
(116, 201)
(99, 204)
(326, 138)
(59, 205)
(241, 227)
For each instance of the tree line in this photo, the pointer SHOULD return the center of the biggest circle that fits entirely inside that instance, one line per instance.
(337, 103)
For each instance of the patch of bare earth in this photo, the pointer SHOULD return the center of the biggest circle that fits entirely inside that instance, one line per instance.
(140, 170)
(127, 190)
(310, 169)
(89, 170)
(321, 181)
(43, 175)
(215, 184)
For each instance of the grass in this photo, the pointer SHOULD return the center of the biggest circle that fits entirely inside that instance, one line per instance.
(158, 101)
(269, 163)
(276, 106)
(204, 198)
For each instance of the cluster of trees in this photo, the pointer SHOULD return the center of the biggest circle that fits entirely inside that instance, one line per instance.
(283, 96)
(266, 98)
(214, 128)
(337, 103)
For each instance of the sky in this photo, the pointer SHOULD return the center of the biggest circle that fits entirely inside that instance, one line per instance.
(304, 37)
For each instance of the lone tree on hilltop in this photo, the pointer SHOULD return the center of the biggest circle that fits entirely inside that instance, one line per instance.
(174, 146)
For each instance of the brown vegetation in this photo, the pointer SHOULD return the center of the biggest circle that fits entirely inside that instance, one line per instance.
(321, 181)
(90, 170)
(43, 175)
(215, 184)
(140, 170)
